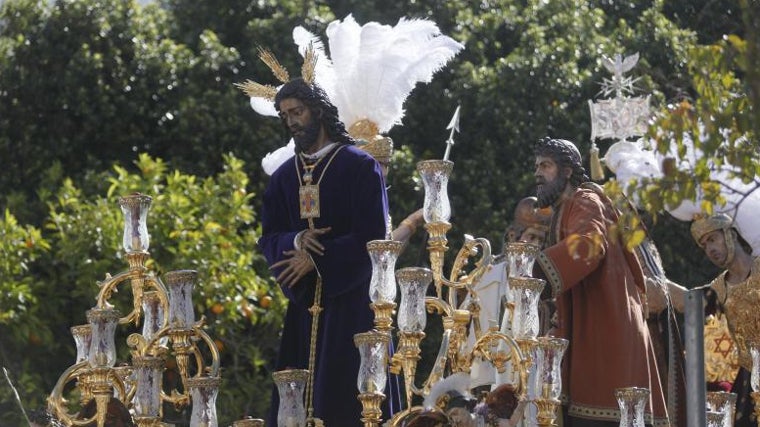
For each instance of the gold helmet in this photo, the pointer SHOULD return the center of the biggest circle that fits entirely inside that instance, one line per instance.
(704, 225)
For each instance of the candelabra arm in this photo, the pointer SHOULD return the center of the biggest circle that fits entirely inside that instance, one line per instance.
(468, 250)
(520, 359)
(439, 306)
(400, 419)
(474, 308)
(55, 401)
(108, 286)
(458, 355)
(212, 348)
(439, 366)
(547, 411)
(176, 398)
(458, 279)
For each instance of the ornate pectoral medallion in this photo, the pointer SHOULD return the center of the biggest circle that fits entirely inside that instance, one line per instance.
(308, 196)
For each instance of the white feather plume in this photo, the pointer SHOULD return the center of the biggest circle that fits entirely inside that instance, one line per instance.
(324, 74)
(630, 160)
(378, 66)
(263, 106)
(459, 382)
(272, 161)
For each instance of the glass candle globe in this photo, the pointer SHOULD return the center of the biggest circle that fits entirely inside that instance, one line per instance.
(135, 208)
(203, 393)
(103, 323)
(290, 386)
(632, 401)
(82, 339)
(147, 373)
(413, 283)
(383, 254)
(435, 179)
(373, 350)
(525, 293)
(520, 258)
(547, 355)
(180, 284)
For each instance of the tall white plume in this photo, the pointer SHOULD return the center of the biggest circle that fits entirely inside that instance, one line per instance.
(324, 74)
(378, 66)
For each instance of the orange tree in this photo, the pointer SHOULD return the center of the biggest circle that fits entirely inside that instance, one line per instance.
(204, 224)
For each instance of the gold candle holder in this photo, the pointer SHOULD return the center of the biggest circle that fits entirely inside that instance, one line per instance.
(547, 411)
(383, 315)
(437, 247)
(371, 413)
(409, 348)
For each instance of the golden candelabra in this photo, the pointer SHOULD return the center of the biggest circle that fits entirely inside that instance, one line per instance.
(169, 332)
(509, 346)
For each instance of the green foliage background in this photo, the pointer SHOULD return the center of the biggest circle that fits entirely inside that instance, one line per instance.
(101, 98)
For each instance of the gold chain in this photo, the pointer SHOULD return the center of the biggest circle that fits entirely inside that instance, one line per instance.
(316, 308)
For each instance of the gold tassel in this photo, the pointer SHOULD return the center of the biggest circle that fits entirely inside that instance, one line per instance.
(597, 170)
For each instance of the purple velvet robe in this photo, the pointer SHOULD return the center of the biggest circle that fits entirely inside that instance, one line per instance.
(353, 202)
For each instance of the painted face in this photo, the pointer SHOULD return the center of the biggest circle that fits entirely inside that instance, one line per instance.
(714, 245)
(533, 235)
(550, 182)
(303, 126)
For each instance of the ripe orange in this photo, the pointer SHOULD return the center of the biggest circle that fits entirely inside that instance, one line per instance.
(265, 301)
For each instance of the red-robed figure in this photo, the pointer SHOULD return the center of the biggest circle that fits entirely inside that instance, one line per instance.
(598, 285)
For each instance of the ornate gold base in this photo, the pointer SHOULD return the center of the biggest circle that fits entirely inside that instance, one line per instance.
(547, 411)
(137, 260)
(383, 315)
(371, 413)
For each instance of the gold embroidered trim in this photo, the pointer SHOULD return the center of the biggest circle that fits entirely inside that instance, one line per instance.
(610, 414)
(552, 273)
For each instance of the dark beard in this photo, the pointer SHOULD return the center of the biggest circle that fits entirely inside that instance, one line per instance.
(549, 192)
(309, 136)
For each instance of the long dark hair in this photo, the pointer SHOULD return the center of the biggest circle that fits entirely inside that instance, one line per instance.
(316, 99)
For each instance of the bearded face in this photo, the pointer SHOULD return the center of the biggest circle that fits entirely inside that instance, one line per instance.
(302, 123)
(305, 137)
(548, 192)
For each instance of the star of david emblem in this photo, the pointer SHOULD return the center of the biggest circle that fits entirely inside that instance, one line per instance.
(723, 345)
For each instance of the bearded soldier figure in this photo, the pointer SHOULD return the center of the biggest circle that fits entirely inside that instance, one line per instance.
(320, 209)
(599, 289)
